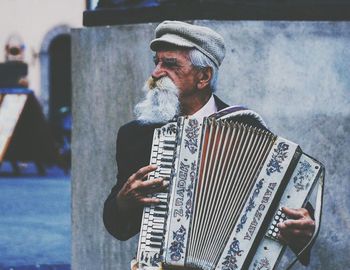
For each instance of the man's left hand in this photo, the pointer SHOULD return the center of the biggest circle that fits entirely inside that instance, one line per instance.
(297, 231)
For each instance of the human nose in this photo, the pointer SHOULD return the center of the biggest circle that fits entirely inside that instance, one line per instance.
(158, 72)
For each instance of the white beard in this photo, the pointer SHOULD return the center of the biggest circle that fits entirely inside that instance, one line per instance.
(161, 103)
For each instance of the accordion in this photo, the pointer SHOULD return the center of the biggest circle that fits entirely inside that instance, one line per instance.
(227, 183)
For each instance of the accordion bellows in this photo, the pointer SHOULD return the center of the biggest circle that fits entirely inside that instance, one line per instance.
(228, 181)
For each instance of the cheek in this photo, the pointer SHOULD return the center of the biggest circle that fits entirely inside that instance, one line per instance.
(175, 79)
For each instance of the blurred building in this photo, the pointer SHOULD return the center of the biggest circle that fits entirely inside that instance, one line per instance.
(38, 33)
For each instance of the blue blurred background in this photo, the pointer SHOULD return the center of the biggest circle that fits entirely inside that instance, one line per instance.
(35, 230)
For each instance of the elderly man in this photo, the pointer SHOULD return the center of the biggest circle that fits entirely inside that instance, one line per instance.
(187, 59)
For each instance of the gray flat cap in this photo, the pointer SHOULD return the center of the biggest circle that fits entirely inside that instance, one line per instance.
(187, 35)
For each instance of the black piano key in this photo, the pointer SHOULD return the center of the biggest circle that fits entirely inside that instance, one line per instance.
(169, 142)
(156, 239)
(161, 209)
(159, 215)
(157, 233)
(155, 245)
(168, 147)
(170, 160)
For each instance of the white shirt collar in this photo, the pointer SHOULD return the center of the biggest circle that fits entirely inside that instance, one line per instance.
(208, 109)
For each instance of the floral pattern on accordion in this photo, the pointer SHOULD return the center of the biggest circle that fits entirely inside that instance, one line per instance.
(251, 204)
(192, 133)
(279, 155)
(153, 260)
(178, 245)
(230, 260)
(303, 177)
(263, 264)
(169, 129)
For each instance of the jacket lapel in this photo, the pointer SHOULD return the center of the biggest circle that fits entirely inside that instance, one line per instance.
(219, 103)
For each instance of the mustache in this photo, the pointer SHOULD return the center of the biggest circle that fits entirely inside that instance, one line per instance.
(162, 84)
(151, 83)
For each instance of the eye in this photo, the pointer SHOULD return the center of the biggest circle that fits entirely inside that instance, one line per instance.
(170, 62)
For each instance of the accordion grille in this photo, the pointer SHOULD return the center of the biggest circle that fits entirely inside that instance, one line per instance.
(231, 157)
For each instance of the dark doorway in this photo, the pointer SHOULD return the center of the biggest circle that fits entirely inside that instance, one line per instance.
(60, 77)
(60, 99)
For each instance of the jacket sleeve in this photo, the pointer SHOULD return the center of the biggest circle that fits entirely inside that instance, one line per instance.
(305, 257)
(122, 226)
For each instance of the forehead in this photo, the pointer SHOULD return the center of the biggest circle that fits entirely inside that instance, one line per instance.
(178, 54)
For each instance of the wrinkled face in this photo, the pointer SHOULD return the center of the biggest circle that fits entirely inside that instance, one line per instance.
(176, 65)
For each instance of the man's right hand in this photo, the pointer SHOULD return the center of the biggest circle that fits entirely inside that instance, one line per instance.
(134, 192)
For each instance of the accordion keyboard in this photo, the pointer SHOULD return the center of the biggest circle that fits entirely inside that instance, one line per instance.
(154, 216)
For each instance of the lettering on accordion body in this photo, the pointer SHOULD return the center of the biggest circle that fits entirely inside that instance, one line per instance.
(258, 214)
(189, 190)
(251, 205)
(180, 191)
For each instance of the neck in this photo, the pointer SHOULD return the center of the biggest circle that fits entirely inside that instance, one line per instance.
(192, 103)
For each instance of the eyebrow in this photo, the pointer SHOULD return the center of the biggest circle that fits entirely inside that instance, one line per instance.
(166, 60)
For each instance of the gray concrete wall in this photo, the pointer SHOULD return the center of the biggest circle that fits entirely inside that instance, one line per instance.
(295, 74)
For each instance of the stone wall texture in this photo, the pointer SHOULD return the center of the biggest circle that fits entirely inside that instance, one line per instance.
(295, 74)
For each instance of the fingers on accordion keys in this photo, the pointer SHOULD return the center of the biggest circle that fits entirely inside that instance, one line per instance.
(273, 230)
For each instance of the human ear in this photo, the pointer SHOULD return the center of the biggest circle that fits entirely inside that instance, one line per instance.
(205, 76)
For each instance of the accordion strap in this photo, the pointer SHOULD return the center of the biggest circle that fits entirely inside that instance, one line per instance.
(317, 215)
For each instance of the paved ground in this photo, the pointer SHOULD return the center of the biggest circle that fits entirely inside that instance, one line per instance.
(35, 231)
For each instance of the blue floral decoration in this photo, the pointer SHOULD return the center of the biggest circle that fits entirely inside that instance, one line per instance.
(178, 245)
(230, 262)
(192, 133)
(170, 129)
(303, 178)
(262, 264)
(153, 261)
(279, 155)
